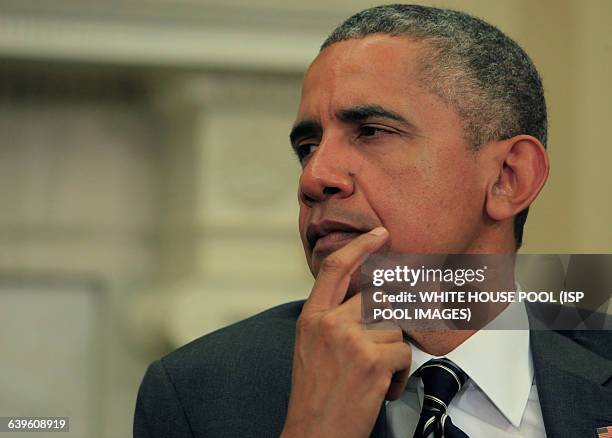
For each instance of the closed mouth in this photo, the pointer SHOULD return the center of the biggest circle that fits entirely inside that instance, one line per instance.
(328, 234)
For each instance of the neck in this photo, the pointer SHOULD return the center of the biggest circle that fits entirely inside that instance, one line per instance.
(440, 342)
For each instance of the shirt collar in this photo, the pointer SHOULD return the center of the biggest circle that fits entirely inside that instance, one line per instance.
(506, 375)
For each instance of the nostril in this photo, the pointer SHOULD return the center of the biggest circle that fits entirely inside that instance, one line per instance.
(308, 200)
(330, 190)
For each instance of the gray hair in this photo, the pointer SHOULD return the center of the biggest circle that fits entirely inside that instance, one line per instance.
(490, 81)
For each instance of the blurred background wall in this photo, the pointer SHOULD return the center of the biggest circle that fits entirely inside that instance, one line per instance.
(147, 189)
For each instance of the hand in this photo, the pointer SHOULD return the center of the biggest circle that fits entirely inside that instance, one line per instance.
(342, 372)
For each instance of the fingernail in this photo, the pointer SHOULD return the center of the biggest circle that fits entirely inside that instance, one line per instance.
(378, 231)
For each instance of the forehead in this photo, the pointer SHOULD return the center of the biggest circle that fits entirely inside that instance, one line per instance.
(375, 69)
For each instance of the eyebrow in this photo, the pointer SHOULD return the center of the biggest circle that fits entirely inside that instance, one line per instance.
(355, 114)
(361, 113)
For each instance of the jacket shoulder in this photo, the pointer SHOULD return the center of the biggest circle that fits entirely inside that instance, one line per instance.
(265, 333)
(236, 381)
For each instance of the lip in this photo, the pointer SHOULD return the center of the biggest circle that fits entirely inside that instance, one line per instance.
(333, 241)
(329, 235)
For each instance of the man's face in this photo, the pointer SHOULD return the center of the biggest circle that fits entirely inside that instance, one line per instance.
(380, 150)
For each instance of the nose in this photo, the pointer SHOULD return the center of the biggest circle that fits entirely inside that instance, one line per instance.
(327, 173)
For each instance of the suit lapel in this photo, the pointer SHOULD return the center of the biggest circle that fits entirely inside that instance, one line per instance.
(571, 382)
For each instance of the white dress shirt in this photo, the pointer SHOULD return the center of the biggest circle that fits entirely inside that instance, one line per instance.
(499, 400)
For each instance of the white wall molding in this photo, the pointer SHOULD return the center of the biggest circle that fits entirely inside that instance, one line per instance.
(174, 34)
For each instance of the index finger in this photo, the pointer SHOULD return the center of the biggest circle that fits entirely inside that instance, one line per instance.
(336, 269)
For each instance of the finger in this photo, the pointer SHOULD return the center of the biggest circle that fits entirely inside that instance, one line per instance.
(398, 384)
(351, 309)
(381, 331)
(398, 358)
(381, 335)
(334, 275)
(370, 312)
(384, 333)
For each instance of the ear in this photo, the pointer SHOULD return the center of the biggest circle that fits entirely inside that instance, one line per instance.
(520, 170)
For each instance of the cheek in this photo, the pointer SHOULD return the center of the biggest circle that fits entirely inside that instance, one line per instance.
(303, 214)
(431, 211)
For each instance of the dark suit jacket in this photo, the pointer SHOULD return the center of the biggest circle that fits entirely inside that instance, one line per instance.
(235, 382)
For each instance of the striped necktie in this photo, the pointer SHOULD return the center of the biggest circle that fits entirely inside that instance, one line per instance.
(442, 380)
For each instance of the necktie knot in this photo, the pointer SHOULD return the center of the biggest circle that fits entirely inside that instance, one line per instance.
(442, 380)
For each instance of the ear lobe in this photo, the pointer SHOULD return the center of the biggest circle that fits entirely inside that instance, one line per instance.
(522, 171)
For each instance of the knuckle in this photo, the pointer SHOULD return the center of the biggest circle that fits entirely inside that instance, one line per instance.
(353, 340)
(381, 385)
(329, 323)
(397, 336)
(368, 358)
(305, 324)
(407, 352)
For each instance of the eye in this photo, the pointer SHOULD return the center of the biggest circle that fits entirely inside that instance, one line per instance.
(305, 150)
(372, 131)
